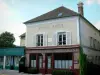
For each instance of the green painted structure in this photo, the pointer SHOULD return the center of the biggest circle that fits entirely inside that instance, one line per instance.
(9, 57)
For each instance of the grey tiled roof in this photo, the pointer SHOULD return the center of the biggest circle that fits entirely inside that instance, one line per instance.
(56, 13)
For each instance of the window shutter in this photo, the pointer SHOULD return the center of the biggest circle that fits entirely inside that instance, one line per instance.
(45, 40)
(68, 38)
(34, 41)
(54, 39)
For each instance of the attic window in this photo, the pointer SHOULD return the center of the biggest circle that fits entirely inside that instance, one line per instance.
(60, 14)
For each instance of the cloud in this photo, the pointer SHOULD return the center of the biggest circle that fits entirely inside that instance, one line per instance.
(10, 21)
(89, 2)
(98, 25)
(98, 1)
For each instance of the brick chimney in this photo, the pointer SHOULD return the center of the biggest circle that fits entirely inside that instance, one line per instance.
(80, 8)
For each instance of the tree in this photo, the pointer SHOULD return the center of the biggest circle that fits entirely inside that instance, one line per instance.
(83, 62)
(7, 39)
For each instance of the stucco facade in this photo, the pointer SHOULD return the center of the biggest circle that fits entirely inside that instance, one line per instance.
(22, 41)
(87, 31)
(49, 29)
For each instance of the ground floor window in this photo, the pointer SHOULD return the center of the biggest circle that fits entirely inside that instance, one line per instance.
(16, 60)
(33, 60)
(40, 61)
(8, 60)
(63, 60)
(1, 60)
(49, 62)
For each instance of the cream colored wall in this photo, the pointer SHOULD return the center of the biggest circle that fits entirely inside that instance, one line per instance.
(49, 28)
(88, 31)
(22, 41)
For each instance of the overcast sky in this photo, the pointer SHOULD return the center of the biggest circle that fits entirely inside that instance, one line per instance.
(14, 12)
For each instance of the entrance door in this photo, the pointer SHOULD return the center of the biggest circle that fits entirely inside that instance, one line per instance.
(49, 64)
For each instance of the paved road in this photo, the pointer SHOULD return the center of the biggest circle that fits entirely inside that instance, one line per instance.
(13, 72)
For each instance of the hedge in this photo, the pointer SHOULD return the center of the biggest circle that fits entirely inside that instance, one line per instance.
(62, 72)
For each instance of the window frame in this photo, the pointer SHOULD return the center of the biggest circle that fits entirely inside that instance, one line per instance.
(62, 34)
(39, 41)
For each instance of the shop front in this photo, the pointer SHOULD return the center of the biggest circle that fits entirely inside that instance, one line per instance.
(9, 57)
(46, 59)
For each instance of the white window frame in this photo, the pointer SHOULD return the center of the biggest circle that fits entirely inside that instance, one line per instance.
(61, 33)
(41, 38)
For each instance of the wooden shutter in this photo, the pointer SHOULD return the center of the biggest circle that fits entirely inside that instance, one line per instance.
(45, 39)
(68, 38)
(54, 39)
(34, 40)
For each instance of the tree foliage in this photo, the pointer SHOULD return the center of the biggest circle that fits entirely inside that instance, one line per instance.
(7, 39)
(83, 62)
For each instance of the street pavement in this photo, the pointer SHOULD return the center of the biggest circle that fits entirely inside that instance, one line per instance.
(14, 72)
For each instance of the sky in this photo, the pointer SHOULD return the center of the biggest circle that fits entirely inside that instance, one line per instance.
(14, 12)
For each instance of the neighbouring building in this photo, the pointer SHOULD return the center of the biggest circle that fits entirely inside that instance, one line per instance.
(22, 39)
(9, 57)
(53, 40)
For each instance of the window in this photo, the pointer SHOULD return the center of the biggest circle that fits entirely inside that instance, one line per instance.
(39, 39)
(61, 38)
(1, 60)
(40, 61)
(63, 60)
(49, 62)
(8, 60)
(60, 14)
(91, 42)
(16, 60)
(33, 61)
(98, 45)
(94, 45)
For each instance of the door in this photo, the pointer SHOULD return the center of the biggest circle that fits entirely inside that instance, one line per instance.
(49, 64)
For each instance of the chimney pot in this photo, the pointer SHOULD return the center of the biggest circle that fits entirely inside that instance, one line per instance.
(80, 8)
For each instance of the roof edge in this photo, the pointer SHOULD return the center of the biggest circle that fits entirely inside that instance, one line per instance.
(89, 22)
(50, 19)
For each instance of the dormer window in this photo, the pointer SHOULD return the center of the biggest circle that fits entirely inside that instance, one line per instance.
(59, 14)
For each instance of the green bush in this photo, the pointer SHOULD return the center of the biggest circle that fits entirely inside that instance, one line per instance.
(32, 70)
(70, 73)
(62, 72)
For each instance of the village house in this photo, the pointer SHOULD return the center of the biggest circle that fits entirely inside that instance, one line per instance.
(53, 40)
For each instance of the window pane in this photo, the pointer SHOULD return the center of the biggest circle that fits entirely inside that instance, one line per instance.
(8, 60)
(59, 63)
(1, 60)
(40, 61)
(60, 37)
(64, 42)
(55, 62)
(41, 36)
(63, 64)
(60, 43)
(16, 60)
(66, 63)
(64, 37)
(34, 65)
(70, 63)
(49, 61)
